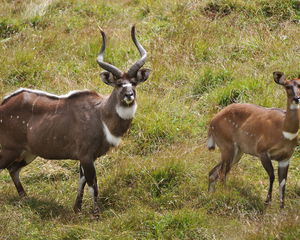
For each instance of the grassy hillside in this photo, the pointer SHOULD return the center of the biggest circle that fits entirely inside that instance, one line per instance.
(204, 55)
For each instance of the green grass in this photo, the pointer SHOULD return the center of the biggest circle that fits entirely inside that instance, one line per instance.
(204, 55)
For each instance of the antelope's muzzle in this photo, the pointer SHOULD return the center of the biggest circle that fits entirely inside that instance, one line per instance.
(129, 97)
(296, 100)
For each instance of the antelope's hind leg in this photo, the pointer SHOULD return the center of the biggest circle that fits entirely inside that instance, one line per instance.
(14, 170)
(8, 159)
(229, 156)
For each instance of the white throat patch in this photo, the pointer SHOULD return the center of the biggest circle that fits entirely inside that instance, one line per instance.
(289, 136)
(110, 138)
(126, 113)
(294, 106)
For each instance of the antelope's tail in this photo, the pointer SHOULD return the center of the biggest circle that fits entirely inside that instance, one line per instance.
(211, 145)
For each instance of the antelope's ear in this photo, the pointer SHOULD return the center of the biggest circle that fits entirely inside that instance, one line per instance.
(142, 75)
(279, 77)
(108, 78)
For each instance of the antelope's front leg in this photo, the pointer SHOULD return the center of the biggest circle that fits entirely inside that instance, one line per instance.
(89, 172)
(81, 185)
(283, 167)
(267, 164)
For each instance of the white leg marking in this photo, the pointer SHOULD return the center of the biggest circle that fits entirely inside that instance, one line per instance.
(289, 136)
(281, 185)
(81, 182)
(110, 138)
(283, 164)
(126, 112)
(92, 192)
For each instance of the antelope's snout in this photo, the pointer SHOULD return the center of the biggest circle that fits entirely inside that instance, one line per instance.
(128, 96)
(296, 99)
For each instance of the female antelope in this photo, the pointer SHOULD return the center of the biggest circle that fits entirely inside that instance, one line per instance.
(267, 133)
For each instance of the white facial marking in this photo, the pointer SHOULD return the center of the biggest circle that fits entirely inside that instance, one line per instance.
(11, 116)
(127, 85)
(23, 122)
(1, 121)
(128, 101)
(110, 138)
(17, 117)
(126, 112)
(289, 136)
(283, 164)
(294, 106)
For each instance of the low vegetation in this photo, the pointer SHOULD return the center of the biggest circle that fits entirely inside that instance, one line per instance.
(204, 55)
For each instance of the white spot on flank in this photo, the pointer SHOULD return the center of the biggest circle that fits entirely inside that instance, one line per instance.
(110, 138)
(126, 113)
(283, 164)
(289, 136)
(294, 106)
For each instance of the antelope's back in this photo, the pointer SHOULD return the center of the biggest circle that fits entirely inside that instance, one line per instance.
(246, 125)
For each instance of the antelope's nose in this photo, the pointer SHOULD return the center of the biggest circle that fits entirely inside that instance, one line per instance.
(129, 95)
(297, 100)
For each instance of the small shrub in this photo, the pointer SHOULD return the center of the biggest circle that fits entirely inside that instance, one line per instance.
(218, 9)
(210, 79)
(8, 27)
(278, 9)
(230, 97)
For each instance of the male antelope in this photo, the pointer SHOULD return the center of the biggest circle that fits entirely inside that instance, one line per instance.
(267, 133)
(81, 125)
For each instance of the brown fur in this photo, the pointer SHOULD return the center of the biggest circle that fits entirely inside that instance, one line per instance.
(258, 131)
(35, 123)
